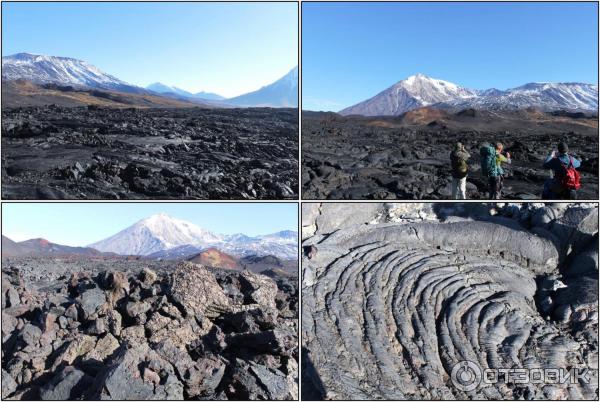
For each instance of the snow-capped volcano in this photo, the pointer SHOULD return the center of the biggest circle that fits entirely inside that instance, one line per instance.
(155, 233)
(281, 93)
(414, 92)
(162, 235)
(419, 90)
(42, 69)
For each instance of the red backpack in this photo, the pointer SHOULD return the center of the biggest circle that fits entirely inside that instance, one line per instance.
(570, 176)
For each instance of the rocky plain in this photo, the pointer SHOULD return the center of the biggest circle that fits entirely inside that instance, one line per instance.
(396, 297)
(408, 157)
(96, 152)
(112, 328)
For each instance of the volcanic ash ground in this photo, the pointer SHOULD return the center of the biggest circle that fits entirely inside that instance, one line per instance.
(395, 295)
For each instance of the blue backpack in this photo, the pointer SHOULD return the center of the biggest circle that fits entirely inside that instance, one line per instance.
(488, 161)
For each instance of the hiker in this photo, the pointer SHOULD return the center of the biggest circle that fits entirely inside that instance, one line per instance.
(565, 181)
(500, 159)
(458, 159)
(490, 169)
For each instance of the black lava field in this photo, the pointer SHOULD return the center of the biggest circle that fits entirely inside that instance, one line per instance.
(79, 329)
(54, 152)
(408, 157)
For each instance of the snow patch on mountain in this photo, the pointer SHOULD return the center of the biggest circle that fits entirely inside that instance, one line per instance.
(429, 90)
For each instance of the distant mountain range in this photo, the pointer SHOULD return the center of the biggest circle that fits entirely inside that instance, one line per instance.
(42, 70)
(25, 93)
(162, 236)
(419, 91)
(211, 257)
(281, 93)
(42, 247)
(165, 89)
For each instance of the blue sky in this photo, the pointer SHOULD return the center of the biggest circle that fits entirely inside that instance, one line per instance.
(227, 48)
(352, 51)
(80, 224)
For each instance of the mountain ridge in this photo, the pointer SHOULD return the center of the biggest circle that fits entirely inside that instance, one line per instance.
(161, 88)
(420, 90)
(72, 72)
(43, 247)
(43, 69)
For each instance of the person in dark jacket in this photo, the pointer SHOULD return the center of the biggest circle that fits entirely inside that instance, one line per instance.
(458, 159)
(558, 162)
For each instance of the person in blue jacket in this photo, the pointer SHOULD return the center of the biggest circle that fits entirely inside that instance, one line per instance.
(558, 162)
